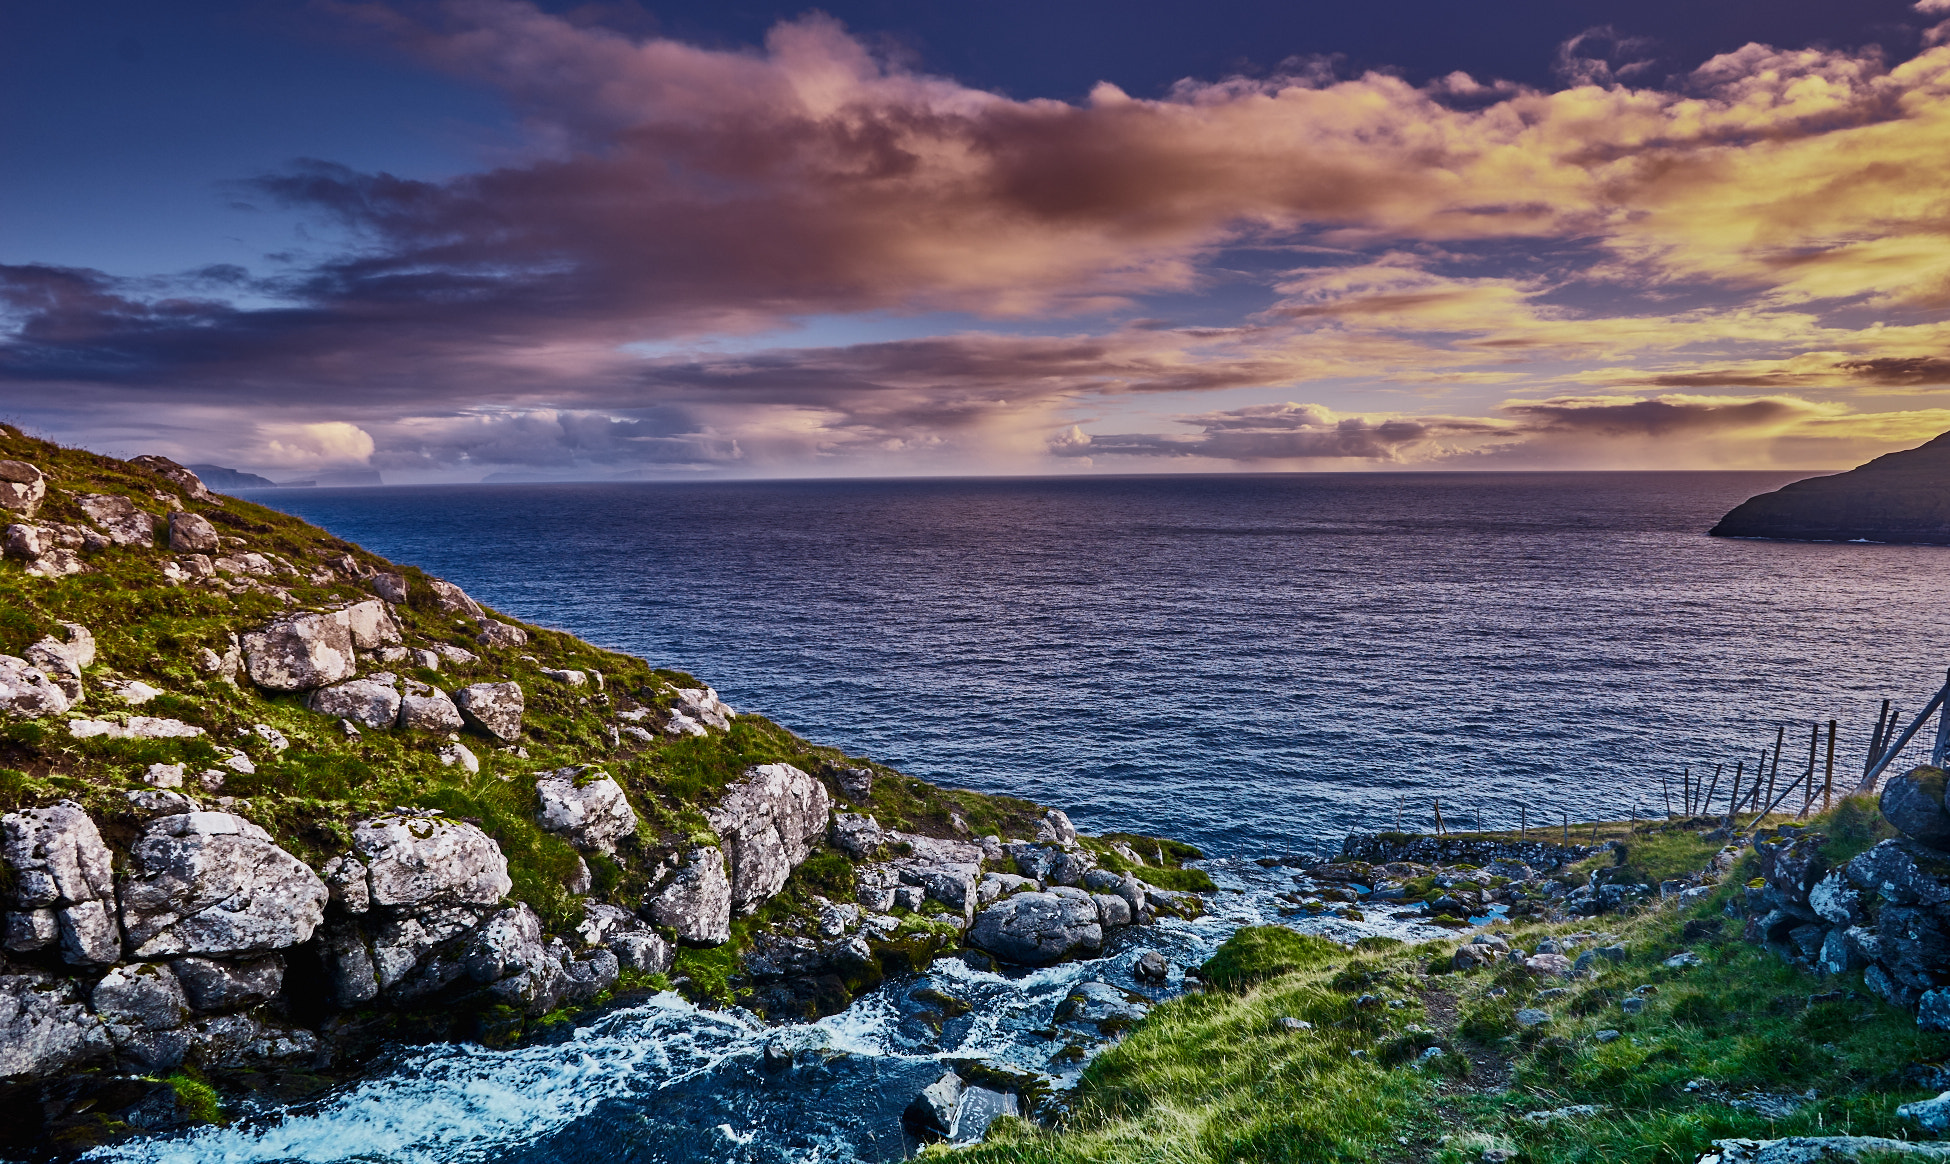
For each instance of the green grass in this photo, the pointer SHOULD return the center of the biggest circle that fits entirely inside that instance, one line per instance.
(196, 1097)
(1213, 1079)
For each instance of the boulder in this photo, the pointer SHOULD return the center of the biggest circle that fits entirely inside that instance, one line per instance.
(345, 879)
(1071, 866)
(144, 995)
(1836, 901)
(58, 862)
(1554, 965)
(501, 635)
(301, 652)
(1055, 828)
(416, 954)
(932, 1114)
(1913, 802)
(26, 691)
(635, 945)
(370, 703)
(421, 862)
(1112, 910)
(217, 986)
(520, 967)
(191, 533)
(1791, 866)
(370, 624)
(1037, 929)
(1902, 872)
(1152, 967)
(695, 901)
(213, 883)
(453, 753)
(44, 1028)
(588, 808)
(22, 540)
(856, 784)
(189, 483)
(349, 965)
(119, 518)
(136, 727)
(22, 487)
(857, 834)
(703, 705)
(391, 587)
(1033, 861)
(769, 822)
(430, 711)
(1915, 945)
(453, 599)
(495, 708)
(64, 661)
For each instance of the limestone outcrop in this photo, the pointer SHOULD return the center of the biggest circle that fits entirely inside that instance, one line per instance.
(587, 807)
(769, 822)
(214, 883)
(63, 884)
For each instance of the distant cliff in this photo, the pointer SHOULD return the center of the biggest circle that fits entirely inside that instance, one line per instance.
(1901, 497)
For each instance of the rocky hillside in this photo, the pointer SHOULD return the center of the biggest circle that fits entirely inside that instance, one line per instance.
(1901, 497)
(271, 802)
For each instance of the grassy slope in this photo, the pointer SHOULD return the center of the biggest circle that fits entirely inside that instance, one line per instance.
(308, 796)
(1214, 1079)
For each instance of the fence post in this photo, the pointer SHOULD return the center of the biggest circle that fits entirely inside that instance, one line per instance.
(1438, 815)
(1828, 785)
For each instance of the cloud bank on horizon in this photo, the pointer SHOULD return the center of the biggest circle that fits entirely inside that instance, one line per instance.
(812, 258)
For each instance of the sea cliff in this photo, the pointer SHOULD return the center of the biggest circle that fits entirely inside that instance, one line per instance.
(1900, 497)
(270, 804)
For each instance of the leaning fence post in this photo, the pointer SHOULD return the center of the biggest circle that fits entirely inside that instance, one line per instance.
(1828, 784)
(1438, 815)
(1665, 789)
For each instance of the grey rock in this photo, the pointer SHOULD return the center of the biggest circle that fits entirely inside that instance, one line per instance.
(59, 862)
(1069, 867)
(345, 879)
(1102, 881)
(150, 803)
(210, 985)
(911, 897)
(1474, 957)
(1837, 954)
(301, 652)
(1037, 929)
(64, 662)
(1915, 945)
(1838, 902)
(1032, 861)
(510, 953)
(635, 945)
(183, 479)
(44, 1028)
(423, 862)
(1819, 1150)
(453, 599)
(369, 703)
(191, 533)
(1902, 872)
(1152, 967)
(1556, 965)
(589, 809)
(1606, 1036)
(22, 540)
(1531, 1016)
(22, 486)
(405, 949)
(501, 635)
(1291, 1024)
(432, 711)
(858, 834)
(1112, 910)
(932, 1114)
(349, 965)
(391, 587)
(145, 996)
(30, 929)
(119, 518)
(495, 708)
(1933, 1010)
(213, 883)
(1055, 828)
(695, 901)
(454, 753)
(1913, 802)
(1099, 1002)
(856, 784)
(1632, 1005)
(769, 822)
(1932, 1115)
(371, 625)
(27, 692)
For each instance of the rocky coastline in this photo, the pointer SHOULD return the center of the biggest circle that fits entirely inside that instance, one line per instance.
(270, 804)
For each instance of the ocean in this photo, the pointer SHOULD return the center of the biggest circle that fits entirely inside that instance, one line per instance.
(1255, 664)
(1252, 663)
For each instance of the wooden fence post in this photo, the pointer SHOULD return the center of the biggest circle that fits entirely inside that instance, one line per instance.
(1828, 784)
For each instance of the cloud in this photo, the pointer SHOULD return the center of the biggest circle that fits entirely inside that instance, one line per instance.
(1727, 228)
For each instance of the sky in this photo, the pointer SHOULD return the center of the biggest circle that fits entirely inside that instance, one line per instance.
(458, 240)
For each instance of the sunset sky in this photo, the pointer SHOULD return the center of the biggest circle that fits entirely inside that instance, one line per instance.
(473, 238)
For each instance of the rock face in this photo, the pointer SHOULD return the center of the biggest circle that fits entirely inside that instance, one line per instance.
(427, 861)
(119, 518)
(587, 808)
(495, 708)
(21, 487)
(695, 901)
(301, 652)
(63, 876)
(1036, 929)
(769, 822)
(44, 1028)
(1900, 497)
(213, 883)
